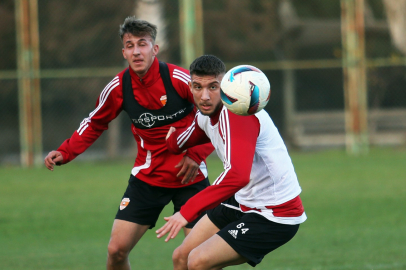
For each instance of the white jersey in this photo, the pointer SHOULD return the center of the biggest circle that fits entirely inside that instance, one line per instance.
(272, 189)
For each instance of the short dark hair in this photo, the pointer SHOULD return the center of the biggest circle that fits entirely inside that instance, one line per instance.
(138, 28)
(207, 65)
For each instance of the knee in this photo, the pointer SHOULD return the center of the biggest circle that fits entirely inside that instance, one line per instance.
(195, 261)
(179, 257)
(117, 253)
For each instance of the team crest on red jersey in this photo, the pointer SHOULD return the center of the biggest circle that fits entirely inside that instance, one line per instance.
(124, 203)
(163, 100)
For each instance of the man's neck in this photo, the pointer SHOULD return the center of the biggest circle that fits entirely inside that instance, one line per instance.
(214, 118)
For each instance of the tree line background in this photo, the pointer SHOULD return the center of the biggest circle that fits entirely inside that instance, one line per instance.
(84, 34)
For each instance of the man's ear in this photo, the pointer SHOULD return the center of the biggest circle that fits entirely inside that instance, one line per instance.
(155, 49)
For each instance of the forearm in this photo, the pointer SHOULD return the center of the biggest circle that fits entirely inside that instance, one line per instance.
(77, 144)
(200, 152)
(209, 198)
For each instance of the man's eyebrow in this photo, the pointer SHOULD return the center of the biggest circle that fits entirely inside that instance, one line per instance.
(140, 40)
(213, 83)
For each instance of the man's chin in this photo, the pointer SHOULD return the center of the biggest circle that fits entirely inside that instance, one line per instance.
(207, 113)
(139, 70)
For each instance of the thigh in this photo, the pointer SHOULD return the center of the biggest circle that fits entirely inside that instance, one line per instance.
(214, 253)
(125, 234)
(203, 230)
(253, 236)
(182, 195)
(143, 203)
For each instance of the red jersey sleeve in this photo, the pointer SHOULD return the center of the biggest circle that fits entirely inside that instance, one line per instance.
(199, 153)
(185, 138)
(108, 106)
(240, 136)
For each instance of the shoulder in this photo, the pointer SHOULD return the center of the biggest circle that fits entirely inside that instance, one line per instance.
(230, 116)
(118, 79)
(115, 85)
(178, 74)
(176, 68)
(264, 118)
(246, 123)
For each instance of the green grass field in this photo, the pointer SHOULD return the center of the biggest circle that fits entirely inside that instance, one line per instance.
(62, 219)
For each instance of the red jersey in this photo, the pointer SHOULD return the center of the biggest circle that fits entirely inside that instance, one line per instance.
(154, 164)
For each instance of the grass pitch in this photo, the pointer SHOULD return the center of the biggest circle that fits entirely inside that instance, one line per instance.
(62, 219)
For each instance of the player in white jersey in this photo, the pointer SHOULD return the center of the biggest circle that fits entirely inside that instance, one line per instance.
(254, 204)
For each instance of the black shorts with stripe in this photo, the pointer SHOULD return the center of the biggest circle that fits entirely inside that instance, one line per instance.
(250, 235)
(143, 203)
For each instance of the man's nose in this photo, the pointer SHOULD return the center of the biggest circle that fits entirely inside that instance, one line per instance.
(136, 50)
(205, 94)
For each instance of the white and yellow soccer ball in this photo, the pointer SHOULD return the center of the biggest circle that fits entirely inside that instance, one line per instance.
(245, 90)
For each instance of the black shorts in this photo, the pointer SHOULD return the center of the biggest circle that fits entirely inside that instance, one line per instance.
(143, 203)
(250, 235)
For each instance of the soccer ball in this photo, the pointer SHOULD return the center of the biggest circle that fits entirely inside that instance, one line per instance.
(245, 90)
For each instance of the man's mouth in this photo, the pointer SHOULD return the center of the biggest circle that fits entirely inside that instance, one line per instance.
(205, 106)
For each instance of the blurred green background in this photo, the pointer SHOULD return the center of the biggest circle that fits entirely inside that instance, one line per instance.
(298, 45)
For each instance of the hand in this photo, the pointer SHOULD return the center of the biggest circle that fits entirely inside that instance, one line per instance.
(173, 225)
(170, 131)
(190, 169)
(52, 159)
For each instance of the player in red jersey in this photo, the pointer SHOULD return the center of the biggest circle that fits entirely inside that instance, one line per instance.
(254, 205)
(156, 96)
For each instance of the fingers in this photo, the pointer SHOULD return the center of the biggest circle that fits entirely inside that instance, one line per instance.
(182, 171)
(172, 227)
(190, 175)
(53, 158)
(181, 162)
(49, 163)
(58, 159)
(168, 227)
(163, 230)
(189, 170)
(173, 233)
